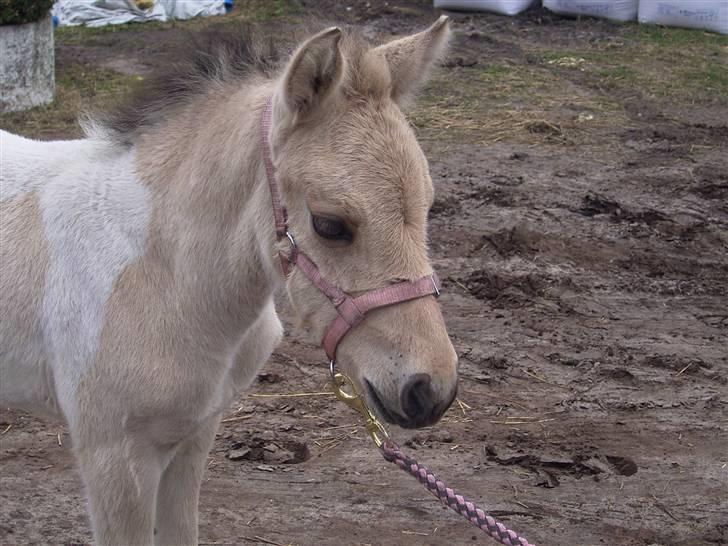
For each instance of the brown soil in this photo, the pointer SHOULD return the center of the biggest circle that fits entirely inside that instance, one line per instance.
(585, 261)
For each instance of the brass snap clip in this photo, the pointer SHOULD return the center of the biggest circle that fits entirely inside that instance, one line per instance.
(346, 392)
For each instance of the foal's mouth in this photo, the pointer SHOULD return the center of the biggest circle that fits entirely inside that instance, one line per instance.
(381, 409)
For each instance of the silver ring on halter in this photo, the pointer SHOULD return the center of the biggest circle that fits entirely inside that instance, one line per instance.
(332, 366)
(434, 284)
(290, 238)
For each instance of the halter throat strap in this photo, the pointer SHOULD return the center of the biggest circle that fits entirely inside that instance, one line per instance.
(350, 310)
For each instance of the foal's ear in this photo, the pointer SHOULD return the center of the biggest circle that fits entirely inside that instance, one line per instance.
(410, 59)
(312, 73)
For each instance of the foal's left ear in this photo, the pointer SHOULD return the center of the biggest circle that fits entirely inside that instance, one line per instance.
(410, 59)
(314, 70)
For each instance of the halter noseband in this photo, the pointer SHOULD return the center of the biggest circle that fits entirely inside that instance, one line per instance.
(351, 310)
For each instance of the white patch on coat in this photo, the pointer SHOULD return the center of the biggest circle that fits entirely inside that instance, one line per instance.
(95, 215)
(26, 164)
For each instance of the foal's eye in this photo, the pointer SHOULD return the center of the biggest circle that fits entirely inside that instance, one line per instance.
(331, 228)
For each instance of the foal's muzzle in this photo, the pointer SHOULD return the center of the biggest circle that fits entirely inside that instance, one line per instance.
(419, 402)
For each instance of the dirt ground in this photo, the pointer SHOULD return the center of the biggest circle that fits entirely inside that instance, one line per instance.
(581, 229)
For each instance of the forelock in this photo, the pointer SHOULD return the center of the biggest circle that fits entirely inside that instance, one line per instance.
(367, 75)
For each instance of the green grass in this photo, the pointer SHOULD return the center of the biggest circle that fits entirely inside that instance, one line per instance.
(679, 65)
(676, 37)
(265, 10)
(78, 89)
(709, 78)
(494, 71)
(586, 87)
(618, 73)
(508, 102)
(81, 35)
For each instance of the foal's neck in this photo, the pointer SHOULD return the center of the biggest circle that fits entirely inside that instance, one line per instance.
(213, 207)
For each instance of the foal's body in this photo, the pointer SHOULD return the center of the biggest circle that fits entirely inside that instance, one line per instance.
(138, 266)
(82, 305)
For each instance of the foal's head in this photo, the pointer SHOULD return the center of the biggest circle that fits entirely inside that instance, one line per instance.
(357, 188)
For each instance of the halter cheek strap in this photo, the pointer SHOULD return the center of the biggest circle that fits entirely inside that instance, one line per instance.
(351, 310)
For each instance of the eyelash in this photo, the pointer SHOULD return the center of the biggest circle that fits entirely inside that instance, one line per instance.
(332, 229)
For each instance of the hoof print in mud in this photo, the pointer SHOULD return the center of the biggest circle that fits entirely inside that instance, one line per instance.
(549, 470)
(623, 466)
(268, 449)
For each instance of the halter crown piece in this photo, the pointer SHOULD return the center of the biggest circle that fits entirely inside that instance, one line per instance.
(351, 310)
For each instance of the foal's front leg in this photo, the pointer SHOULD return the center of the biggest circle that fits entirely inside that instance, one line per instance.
(180, 486)
(179, 489)
(121, 479)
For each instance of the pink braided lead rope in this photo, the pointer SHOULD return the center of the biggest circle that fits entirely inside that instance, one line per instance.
(452, 500)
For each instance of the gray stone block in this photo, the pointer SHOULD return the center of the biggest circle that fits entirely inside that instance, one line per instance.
(27, 74)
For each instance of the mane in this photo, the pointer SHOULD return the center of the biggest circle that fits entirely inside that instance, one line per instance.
(205, 61)
(208, 60)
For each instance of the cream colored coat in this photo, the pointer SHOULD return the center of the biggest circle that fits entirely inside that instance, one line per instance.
(137, 281)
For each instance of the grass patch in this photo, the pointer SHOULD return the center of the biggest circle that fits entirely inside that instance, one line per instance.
(674, 64)
(523, 103)
(710, 78)
(264, 10)
(618, 73)
(496, 70)
(78, 89)
(79, 35)
(676, 37)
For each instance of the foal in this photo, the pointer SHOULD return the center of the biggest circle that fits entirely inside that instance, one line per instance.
(138, 265)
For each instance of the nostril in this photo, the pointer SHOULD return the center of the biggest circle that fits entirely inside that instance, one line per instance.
(417, 396)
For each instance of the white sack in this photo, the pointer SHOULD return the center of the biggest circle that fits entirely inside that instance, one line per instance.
(504, 7)
(705, 14)
(98, 13)
(184, 9)
(617, 10)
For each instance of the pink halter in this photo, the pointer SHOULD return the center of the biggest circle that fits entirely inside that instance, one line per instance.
(351, 310)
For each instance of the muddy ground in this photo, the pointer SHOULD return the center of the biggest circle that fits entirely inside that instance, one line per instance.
(581, 229)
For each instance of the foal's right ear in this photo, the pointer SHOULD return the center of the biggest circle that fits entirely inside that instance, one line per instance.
(312, 73)
(411, 58)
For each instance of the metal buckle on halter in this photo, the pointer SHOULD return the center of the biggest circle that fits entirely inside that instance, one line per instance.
(354, 400)
(288, 260)
(434, 285)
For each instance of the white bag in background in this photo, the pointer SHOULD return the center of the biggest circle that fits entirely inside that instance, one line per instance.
(504, 7)
(184, 9)
(617, 10)
(98, 13)
(705, 14)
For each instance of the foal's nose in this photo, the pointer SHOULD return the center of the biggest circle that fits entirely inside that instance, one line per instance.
(418, 398)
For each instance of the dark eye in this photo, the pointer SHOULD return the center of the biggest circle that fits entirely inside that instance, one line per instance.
(331, 228)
